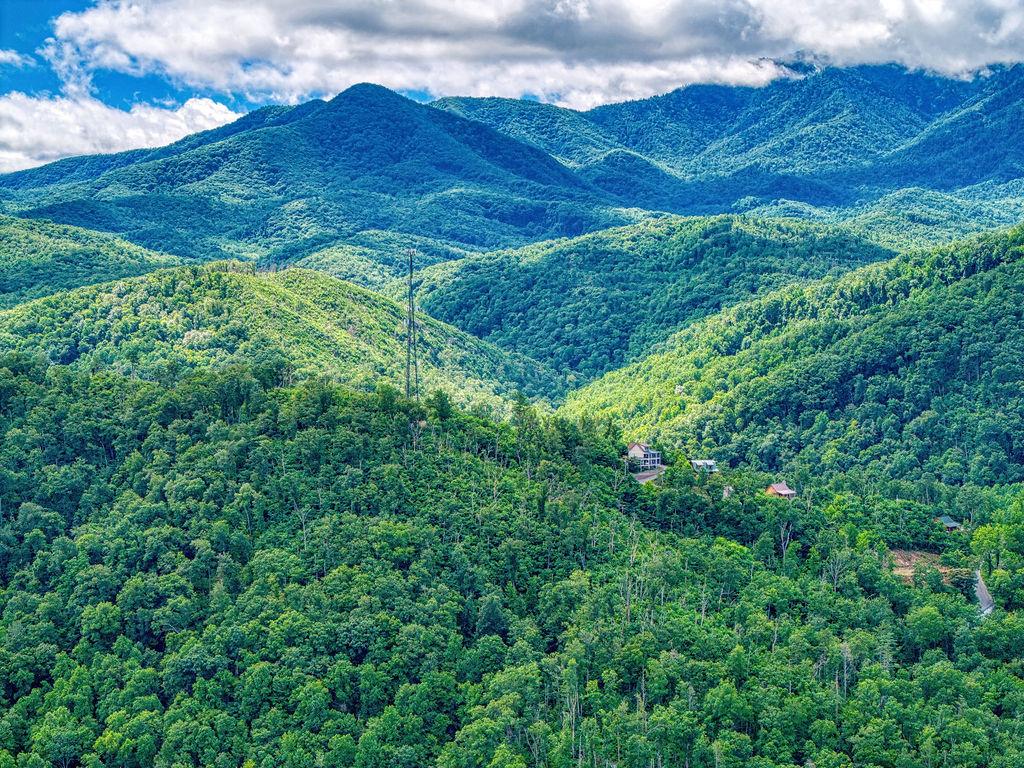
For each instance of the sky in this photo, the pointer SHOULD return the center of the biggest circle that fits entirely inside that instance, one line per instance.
(86, 76)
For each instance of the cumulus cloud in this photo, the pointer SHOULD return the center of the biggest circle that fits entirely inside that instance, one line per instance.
(37, 130)
(577, 53)
(9, 58)
(574, 52)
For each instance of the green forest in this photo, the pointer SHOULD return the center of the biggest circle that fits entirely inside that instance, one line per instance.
(226, 572)
(295, 323)
(905, 370)
(589, 305)
(38, 258)
(232, 536)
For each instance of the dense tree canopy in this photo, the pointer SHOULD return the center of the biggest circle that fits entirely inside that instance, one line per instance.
(910, 369)
(224, 572)
(38, 258)
(588, 305)
(158, 325)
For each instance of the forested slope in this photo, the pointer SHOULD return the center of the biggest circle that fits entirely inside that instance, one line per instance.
(305, 322)
(588, 305)
(914, 158)
(908, 369)
(38, 258)
(285, 182)
(216, 572)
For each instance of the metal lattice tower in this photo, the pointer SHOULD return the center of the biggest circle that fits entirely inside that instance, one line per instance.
(412, 363)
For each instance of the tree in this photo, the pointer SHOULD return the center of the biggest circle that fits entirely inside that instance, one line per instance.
(61, 738)
(490, 617)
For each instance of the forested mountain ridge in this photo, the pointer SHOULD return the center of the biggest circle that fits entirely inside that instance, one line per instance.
(38, 258)
(904, 370)
(829, 119)
(303, 322)
(830, 144)
(825, 120)
(588, 305)
(305, 177)
(219, 571)
(570, 136)
(915, 157)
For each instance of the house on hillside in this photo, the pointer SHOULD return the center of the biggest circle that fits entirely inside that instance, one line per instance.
(704, 466)
(643, 457)
(948, 523)
(781, 490)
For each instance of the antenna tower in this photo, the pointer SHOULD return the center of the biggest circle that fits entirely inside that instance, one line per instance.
(412, 364)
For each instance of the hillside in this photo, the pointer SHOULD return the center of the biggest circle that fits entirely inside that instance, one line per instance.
(317, 174)
(906, 370)
(829, 119)
(38, 258)
(372, 258)
(215, 571)
(914, 215)
(826, 144)
(569, 136)
(286, 183)
(295, 323)
(588, 305)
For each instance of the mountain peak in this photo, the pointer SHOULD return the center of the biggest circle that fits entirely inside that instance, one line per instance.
(367, 91)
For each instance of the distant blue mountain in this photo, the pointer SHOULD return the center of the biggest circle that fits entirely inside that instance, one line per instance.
(831, 138)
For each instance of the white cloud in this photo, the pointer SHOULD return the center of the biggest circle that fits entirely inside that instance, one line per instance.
(37, 130)
(575, 52)
(9, 58)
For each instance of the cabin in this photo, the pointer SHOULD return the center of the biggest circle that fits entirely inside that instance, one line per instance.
(642, 455)
(704, 466)
(781, 490)
(948, 523)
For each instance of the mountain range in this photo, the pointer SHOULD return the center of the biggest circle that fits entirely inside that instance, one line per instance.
(230, 537)
(940, 156)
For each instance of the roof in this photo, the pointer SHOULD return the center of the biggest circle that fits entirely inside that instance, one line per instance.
(948, 521)
(780, 488)
(638, 445)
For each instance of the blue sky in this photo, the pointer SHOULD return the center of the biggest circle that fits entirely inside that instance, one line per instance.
(84, 76)
(26, 25)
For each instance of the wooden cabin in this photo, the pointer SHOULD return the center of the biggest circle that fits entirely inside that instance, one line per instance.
(781, 490)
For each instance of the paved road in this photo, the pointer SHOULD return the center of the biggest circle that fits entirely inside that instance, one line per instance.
(985, 602)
